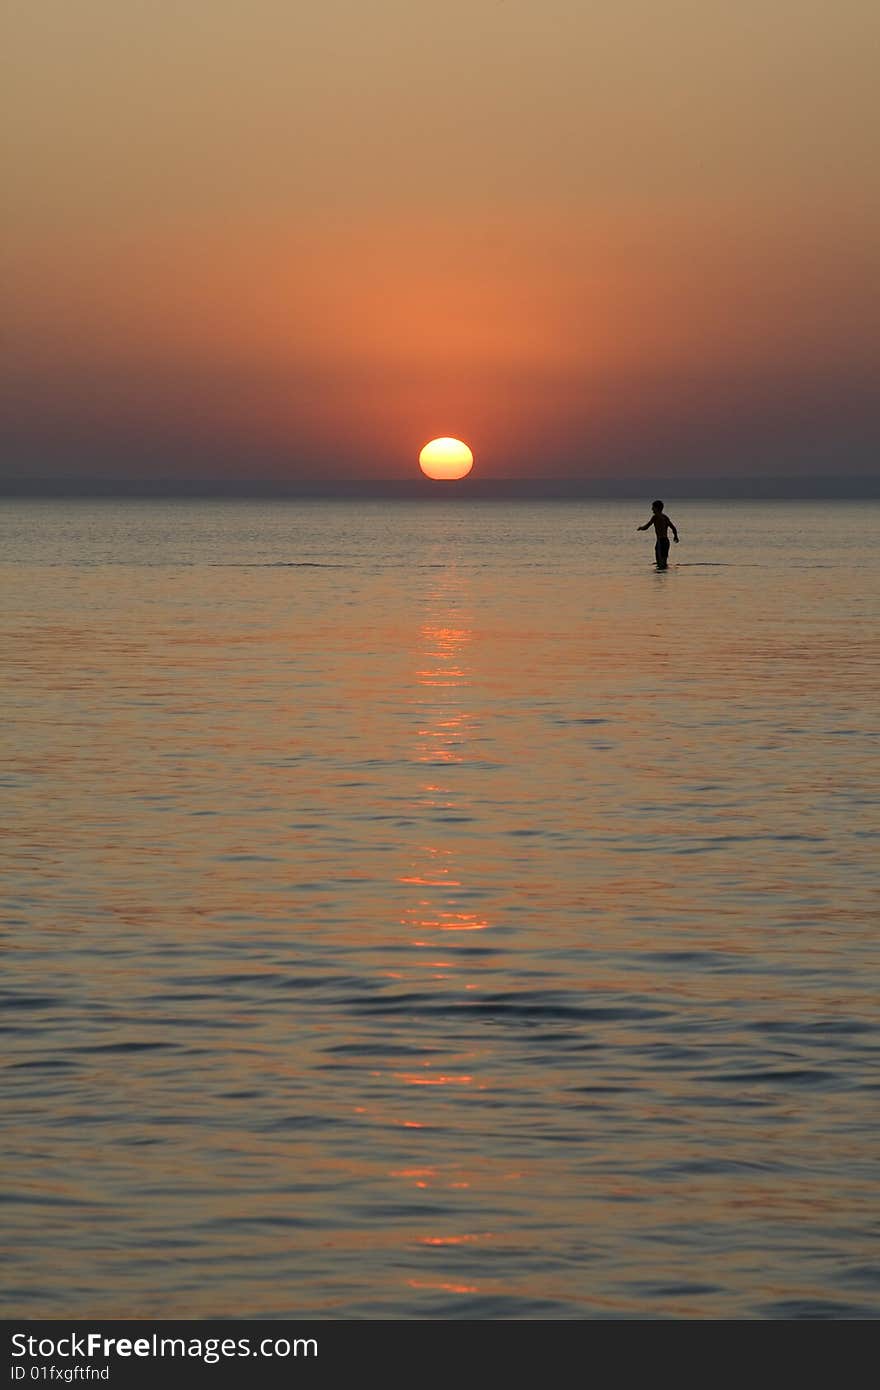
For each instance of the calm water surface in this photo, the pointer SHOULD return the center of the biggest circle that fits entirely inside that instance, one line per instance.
(431, 910)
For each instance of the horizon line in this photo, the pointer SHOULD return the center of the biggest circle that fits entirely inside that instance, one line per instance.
(814, 487)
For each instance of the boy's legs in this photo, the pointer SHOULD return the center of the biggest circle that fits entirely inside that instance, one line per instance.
(661, 552)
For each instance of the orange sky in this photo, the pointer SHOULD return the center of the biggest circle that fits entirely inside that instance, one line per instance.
(586, 239)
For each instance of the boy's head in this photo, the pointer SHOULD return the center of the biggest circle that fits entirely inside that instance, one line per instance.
(656, 506)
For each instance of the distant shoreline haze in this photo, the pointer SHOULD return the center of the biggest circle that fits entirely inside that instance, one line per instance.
(840, 488)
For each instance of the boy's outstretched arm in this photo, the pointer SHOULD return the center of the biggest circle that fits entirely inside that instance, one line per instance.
(646, 525)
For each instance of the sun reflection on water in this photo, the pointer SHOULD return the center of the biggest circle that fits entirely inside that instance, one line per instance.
(443, 697)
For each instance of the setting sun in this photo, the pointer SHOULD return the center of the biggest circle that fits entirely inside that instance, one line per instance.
(446, 458)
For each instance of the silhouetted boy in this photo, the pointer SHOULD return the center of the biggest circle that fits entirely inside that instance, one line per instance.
(662, 525)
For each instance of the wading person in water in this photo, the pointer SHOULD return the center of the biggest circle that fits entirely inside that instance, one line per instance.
(662, 525)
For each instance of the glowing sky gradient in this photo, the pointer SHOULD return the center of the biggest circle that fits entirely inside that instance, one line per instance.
(256, 238)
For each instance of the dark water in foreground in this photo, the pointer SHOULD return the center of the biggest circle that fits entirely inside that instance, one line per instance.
(433, 911)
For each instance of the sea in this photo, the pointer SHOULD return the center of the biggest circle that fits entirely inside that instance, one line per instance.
(429, 909)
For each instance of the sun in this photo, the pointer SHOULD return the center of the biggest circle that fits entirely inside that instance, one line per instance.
(446, 459)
